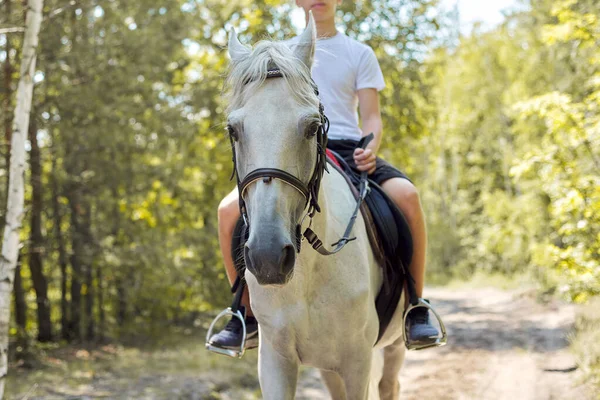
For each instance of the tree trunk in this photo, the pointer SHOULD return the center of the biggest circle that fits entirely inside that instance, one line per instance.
(90, 331)
(101, 313)
(121, 308)
(73, 195)
(81, 263)
(8, 70)
(40, 284)
(20, 305)
(62, 253)
(14, 208)
(121, 302)
(89, 274)
(19, 293)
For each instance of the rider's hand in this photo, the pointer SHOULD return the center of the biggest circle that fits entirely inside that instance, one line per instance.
(365, 160)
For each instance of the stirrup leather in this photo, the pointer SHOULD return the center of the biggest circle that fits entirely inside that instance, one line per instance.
(220, 350)
(440, 341)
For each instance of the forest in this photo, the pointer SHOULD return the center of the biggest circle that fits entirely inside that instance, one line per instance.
(127, 156)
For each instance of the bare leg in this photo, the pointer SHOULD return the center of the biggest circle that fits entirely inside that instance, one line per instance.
(406, 197)
(229, 213)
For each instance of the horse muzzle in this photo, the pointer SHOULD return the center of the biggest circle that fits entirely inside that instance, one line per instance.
(270, 259)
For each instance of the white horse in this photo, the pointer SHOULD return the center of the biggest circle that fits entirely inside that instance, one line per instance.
(312, 310)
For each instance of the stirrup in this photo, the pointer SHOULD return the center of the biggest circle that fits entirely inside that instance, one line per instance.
(440, 341)
(220, 350)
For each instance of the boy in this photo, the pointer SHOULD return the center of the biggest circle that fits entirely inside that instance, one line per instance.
(348, 75)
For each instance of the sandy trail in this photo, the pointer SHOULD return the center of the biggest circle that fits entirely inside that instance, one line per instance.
(502, 345)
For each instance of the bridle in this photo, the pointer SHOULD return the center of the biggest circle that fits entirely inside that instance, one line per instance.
(310, 190)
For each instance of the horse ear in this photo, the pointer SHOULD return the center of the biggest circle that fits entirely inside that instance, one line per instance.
(237, 51)
(305, 49)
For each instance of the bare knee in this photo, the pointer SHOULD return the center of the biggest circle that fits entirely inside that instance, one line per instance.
(403, 192)
(409, 194)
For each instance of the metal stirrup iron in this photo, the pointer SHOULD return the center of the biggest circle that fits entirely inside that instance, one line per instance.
(416, 302)
(234, 311)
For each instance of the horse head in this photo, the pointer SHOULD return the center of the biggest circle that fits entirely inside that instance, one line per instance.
(275, 126)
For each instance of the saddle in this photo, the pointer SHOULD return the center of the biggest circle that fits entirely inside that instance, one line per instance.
(389, 236)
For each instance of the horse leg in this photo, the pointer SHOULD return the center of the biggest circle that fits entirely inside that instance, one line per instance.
(277, 375)
(335, 384)
(393, 357)
(356, 372)
(376, 374)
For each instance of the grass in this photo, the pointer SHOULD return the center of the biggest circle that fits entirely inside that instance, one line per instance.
(178, 368)
(585, 342)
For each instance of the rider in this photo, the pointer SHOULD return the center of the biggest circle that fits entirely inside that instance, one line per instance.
(348, 75)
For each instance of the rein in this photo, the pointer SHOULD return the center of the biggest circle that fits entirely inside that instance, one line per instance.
(309, 191)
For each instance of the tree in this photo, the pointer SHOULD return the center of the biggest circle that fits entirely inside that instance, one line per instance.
(566, 161)
(133, 154)
(36, 241)
(14, 215)
(7, 116)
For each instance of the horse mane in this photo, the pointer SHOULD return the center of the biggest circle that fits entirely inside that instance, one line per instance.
(247, 75)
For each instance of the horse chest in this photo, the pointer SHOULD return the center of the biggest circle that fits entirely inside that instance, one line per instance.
(311, 328)
(303, 333)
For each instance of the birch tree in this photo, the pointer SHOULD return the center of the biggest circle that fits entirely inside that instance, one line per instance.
(14, 212)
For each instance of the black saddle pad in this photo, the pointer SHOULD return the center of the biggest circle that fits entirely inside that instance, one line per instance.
(397, 243)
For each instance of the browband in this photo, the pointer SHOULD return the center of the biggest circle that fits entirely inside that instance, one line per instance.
(267, 173)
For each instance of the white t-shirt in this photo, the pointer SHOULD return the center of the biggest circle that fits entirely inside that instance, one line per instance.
(342, 67)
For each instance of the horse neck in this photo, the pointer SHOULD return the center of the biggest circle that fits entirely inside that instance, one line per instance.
(336, 202)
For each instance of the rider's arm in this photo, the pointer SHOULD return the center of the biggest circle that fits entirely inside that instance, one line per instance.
(369, 80)
(370, 116)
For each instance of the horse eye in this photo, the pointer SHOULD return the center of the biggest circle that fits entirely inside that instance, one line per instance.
(232, 133)
(312, 129)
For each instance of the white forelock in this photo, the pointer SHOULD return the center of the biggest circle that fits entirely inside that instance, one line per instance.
(248, 74)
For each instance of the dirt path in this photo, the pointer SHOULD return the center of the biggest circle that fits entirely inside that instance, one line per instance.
(502, 345)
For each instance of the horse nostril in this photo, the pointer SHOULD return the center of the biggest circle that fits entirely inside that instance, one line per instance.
(288, 258)
(270, 263)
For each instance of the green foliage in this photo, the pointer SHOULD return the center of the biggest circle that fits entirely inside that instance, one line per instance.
(134, 160)
(516, 147)
(499, 130)
(567, 162)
